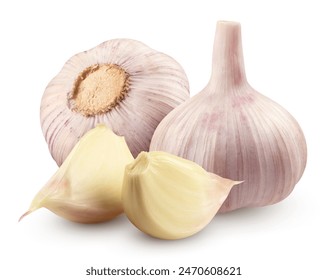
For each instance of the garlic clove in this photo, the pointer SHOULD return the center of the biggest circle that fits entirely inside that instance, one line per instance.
(169, 197)
(121, 83)
(87, 186)
(232, 130)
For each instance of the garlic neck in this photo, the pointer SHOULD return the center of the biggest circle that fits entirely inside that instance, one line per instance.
(228, 69)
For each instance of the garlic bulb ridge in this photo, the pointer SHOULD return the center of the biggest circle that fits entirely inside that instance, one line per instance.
(232, 130)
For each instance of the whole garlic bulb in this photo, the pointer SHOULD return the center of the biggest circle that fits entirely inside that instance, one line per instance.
(121, 83)
(232, 130)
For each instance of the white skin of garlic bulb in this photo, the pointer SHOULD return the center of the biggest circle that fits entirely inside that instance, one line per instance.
(121, 83)
(232, 130)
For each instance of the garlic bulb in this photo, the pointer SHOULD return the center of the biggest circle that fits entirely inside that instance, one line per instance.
(122, 83)
(170, 197)
(232, 130)
(87, 186)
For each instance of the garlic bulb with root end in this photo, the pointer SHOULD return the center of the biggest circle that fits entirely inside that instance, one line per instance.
(232, 130)
(169, 197)
(122, 83)
(87, 186)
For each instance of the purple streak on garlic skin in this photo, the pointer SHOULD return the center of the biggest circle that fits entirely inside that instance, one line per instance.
(232, 130)
(156, 85)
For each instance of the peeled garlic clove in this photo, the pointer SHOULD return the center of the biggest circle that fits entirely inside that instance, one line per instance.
(232, 130)
(87, 186)
(169, 197)
(121, 83)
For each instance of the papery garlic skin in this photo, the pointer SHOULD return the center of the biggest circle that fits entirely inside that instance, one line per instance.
(169, 197)
(87, 186)
(122, 83)
(232, 130)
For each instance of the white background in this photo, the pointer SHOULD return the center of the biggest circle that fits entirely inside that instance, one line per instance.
(285, 49)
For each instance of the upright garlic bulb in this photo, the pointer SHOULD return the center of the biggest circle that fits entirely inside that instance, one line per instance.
(169, 197)
(234, 131)
(122, 83)
(87, 186)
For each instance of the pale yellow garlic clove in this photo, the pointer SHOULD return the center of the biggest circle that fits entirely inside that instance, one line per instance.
(169, 197)
(122, 83)
(87, 186)
(232, 130)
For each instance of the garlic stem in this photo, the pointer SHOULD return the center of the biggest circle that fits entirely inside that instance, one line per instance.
(228, 62)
